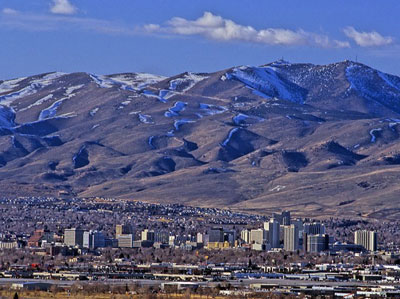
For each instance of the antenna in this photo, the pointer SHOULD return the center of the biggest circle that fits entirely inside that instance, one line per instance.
(356, 58)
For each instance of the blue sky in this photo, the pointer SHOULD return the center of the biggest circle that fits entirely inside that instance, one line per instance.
(168, 37)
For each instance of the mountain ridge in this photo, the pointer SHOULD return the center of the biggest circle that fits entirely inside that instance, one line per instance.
(302, 137)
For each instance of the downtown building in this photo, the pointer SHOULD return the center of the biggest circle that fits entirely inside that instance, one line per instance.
(73, 237)
(290, 237)
(367, 239)
(124, 235)
(218, 237)
(273, 231)
(93, 240)
(315, 243)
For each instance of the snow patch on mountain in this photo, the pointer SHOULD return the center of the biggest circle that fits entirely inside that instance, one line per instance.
(186, 82)
(373, 134)
(10, 85)
(32, 88)
(51, 111)
(267, 82)
(163, 95)
(135, 81)
(146, 119)
(181, 122)
(390, 80)
(94, 111)
(130, 82)
(374, 85)
(231, 132)
(209, 109)
(243, 119)
(38, 102)
(150, 142)
(176, 109)
(7, 117)
(102, 81)
(70, 90)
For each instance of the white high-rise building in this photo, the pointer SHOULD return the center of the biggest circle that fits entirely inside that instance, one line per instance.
(291, 238)
(73, 237)
(245, 235)
(200, 238)
(273, 232)
(367, 239)
(147, 235)
(125, 241)
(258, 236)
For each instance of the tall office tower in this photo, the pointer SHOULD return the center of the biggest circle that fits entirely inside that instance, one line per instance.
(230, 237)
(93, 240)
(258, 236)
(367, 239)
(245, 235)
(216, 234)
(291, 238)
(273, 232)
(147, 235)
(299, 224)
(200, 238)
(315, 228)
(123, 229)
(161, 237)
(286, 218)
(283, 218)
(317, 243)
(125, 240)
(73, 237)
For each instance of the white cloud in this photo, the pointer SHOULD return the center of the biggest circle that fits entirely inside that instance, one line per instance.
(367, 39)
(9, 11)
(217, 28)
(62, 7)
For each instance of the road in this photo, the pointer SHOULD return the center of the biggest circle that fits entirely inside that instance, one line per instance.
(236, 283)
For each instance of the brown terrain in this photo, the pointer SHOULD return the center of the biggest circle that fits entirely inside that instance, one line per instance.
(317, 140)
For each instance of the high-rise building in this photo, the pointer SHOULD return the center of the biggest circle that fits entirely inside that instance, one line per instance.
(273, 232)
(315, 228)
(291, 238)
(147, 235)
(216, 234)
(283, 218)
(230, 237)
(299, 224)
(245, 235)
(200, 238)
(93, 240)
(367, 239)
(123, 229)
(73, 237)
(317, 243)
(125, 240)
(161, 237)
(258, 236)
(286, 218)
(172, 241)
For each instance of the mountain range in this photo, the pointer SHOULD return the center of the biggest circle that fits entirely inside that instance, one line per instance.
(319, 140)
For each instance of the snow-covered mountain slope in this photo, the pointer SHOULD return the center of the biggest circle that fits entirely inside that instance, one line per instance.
(268, 137)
